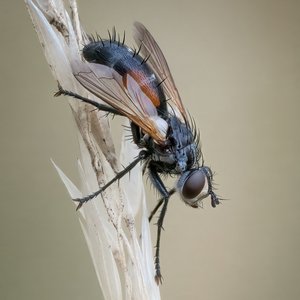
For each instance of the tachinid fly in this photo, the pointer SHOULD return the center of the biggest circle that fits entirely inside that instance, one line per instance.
(137, 84)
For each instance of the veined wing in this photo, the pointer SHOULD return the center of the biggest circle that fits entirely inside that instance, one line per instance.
(107, 85)
(160, 66)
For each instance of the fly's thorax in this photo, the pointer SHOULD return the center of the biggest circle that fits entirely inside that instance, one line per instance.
(173, 161)
(185, 158)
(182, 141)
(179, 153)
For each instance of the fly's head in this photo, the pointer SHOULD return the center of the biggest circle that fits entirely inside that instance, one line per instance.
(196, 184)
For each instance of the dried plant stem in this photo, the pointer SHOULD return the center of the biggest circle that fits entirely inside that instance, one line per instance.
(121, 249)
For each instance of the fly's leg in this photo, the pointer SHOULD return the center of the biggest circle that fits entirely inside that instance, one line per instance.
(155, 209)
(100, 106)
(158, 205)
(157, 182)
(158, 276)
(142, 155)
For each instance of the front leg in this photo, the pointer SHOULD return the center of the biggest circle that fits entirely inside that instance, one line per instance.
(157, 182)
(159, 203)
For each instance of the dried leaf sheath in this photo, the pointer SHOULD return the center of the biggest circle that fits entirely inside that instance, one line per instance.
(123, 262)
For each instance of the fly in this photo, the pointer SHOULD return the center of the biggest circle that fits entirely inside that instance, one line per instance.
(138, 85)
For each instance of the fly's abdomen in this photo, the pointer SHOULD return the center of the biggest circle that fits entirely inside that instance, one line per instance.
(126, 62)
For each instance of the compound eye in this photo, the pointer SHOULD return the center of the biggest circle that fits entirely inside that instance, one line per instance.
(193, 184)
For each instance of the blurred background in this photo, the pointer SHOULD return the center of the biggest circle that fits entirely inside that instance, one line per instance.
(237, 67)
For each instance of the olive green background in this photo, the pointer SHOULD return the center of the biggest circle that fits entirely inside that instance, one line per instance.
(237, 67)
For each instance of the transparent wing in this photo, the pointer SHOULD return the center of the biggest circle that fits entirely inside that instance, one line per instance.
(106, 84)
(160, 66)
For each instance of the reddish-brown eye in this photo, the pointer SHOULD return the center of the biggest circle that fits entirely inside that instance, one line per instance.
(193, 184)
